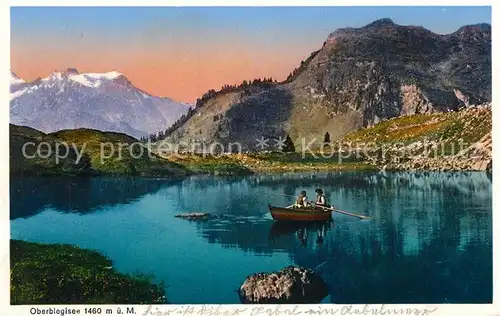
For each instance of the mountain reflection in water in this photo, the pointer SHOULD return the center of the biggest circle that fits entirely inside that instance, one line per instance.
(430, 239)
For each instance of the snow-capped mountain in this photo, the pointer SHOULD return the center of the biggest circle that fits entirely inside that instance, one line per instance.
(16, 84)
(14, 79)
(103, 101)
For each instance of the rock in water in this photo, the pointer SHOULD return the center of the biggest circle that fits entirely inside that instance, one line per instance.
(291, 285)
(195, 215)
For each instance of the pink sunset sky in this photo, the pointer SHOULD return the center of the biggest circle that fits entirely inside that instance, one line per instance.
(183, 52)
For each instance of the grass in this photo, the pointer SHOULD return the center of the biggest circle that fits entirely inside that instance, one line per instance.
(113, 153)
(224, 169)
(211, 164)
(449, 130)
(64, 274)
(104, 153)
(402, 129)
(328, 157)
(436, 135)
(241, 164)
(468, 125)
(120, 161)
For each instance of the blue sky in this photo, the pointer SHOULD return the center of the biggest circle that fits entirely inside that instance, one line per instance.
(165, 42)
(306, 19)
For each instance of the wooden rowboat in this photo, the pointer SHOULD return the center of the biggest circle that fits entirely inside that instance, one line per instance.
(301, 215)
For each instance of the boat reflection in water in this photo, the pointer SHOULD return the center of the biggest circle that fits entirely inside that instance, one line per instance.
(302, 230)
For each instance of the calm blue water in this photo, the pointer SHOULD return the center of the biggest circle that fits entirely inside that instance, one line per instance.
(430, 241)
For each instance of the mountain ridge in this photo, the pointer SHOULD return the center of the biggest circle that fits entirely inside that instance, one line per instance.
(359, 77)
(103, 101)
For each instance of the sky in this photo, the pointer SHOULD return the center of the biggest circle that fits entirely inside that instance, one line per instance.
(182, 52)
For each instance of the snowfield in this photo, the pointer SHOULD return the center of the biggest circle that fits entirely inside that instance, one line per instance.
(103, 101)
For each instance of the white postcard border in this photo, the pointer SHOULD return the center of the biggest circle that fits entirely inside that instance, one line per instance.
(255, 310)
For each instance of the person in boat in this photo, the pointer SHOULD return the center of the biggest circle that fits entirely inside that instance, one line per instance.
(301, 201)
(321, 198)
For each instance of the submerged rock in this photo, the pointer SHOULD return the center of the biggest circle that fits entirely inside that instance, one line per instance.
(290, 285)
(194, 215)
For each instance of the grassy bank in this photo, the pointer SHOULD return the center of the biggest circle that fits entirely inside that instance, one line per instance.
(241, 164)
(91, 152)
(63, 274)
(458, 140)
(107, 153)
(468, 125)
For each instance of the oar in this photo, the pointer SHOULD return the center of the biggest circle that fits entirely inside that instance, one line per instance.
(344, 212)
(281, 194)
(290, 206)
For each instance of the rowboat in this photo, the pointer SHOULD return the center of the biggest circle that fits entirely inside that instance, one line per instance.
(301, 215)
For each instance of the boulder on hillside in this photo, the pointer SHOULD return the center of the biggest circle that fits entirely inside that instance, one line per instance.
(291, 285)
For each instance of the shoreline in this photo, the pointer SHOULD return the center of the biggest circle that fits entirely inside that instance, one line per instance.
(33, 264)
(261, 170)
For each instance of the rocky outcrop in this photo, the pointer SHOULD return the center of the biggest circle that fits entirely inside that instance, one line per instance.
(461, 97)
(291, 285)
(476, 157)
(414, 101)
(367, 68)
(459, 140)
(440, 164)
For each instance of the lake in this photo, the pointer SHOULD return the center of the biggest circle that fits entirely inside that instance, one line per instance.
(430, 240)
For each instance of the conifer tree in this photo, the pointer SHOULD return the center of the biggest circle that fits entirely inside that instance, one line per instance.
(288, 147)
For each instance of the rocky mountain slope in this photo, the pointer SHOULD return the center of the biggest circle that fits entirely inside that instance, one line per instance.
(458, 140)
(105, 101)
(359, 77)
